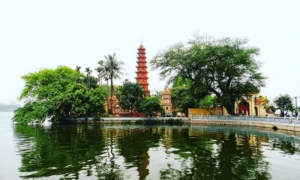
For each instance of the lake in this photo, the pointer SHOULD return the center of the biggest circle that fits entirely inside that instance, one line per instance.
(146, 152)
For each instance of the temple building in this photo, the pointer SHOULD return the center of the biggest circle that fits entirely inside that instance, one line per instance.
(253, 106)
(142, 79)
(166, 103)
(142, 73)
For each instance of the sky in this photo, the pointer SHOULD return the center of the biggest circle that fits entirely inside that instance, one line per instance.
(45, 34)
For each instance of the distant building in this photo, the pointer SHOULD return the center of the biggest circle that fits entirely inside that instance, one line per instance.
(253, 106)
(166, 103)
(114, 104)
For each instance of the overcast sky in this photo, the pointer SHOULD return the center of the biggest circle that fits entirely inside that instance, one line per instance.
(36, 35)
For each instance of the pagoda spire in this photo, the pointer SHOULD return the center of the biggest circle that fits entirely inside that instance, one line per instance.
(142, 73)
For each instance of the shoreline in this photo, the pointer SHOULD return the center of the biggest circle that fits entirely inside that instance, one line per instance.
(183, 120)
(270, 125)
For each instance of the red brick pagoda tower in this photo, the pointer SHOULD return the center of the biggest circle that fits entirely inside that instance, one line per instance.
(142, 73)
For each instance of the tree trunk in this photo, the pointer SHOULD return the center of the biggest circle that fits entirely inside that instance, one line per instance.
(230, 109)
(111, 94)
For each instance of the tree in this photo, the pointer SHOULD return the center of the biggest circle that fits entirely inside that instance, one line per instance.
(91, 82)
(80, 101)
(186, 103)
(182, 99)
(57, 91)
(78, 68)
(131, 96)
(209, 103)
(284, 104)
(268, 105)
(101, 71)
(157, 94)
(151, 106)
(88, 75)
(113, 68)
(223, 67)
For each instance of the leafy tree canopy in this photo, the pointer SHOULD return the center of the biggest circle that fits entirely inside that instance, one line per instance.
(151, 106)
(225, 67)
(58, 91)
(182, 99)
(209, 103)
(284, 104)
(131, 96)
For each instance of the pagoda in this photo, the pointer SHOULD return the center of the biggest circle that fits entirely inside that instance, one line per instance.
(142, 73)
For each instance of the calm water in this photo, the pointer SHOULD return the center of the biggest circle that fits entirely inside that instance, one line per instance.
(145, 152)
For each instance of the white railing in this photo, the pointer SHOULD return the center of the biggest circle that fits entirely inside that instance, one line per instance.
(291, 120)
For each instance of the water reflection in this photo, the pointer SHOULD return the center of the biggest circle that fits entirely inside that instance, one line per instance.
(149, 152)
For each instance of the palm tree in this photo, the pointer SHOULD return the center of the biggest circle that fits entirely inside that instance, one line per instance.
(101, 72)
(88, 74)
(113, 69)
(78, 68)
(157, 94)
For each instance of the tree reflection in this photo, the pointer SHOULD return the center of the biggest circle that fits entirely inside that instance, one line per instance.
(235, 158)
(239, 159)
(103, 152)
(134, 146)
(62, 151)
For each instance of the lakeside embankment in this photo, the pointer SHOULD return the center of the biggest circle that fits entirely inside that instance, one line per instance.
(271, 125)
(182, 120)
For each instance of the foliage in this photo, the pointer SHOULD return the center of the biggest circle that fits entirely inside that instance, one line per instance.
(151, 106)
(182, 99)
(179, 81)
(78, 68)
(90, 82)
(268, 105)
(101, 72)
(186, 103)
(224, 67)
(284, 104)
(58, 91)
(209, 103)
(112, 69)
(131, 96)
(157, 94)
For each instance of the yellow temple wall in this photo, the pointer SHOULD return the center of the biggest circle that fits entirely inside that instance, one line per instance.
(202, 111)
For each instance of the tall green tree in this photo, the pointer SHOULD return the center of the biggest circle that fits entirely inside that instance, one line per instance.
(88, 75)
(101, 71)
(225, 67)
(284, 104)
(151, 106)
(182, 100)
(57, 91)
(131, 96)
(78, 68)
(114, 69)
